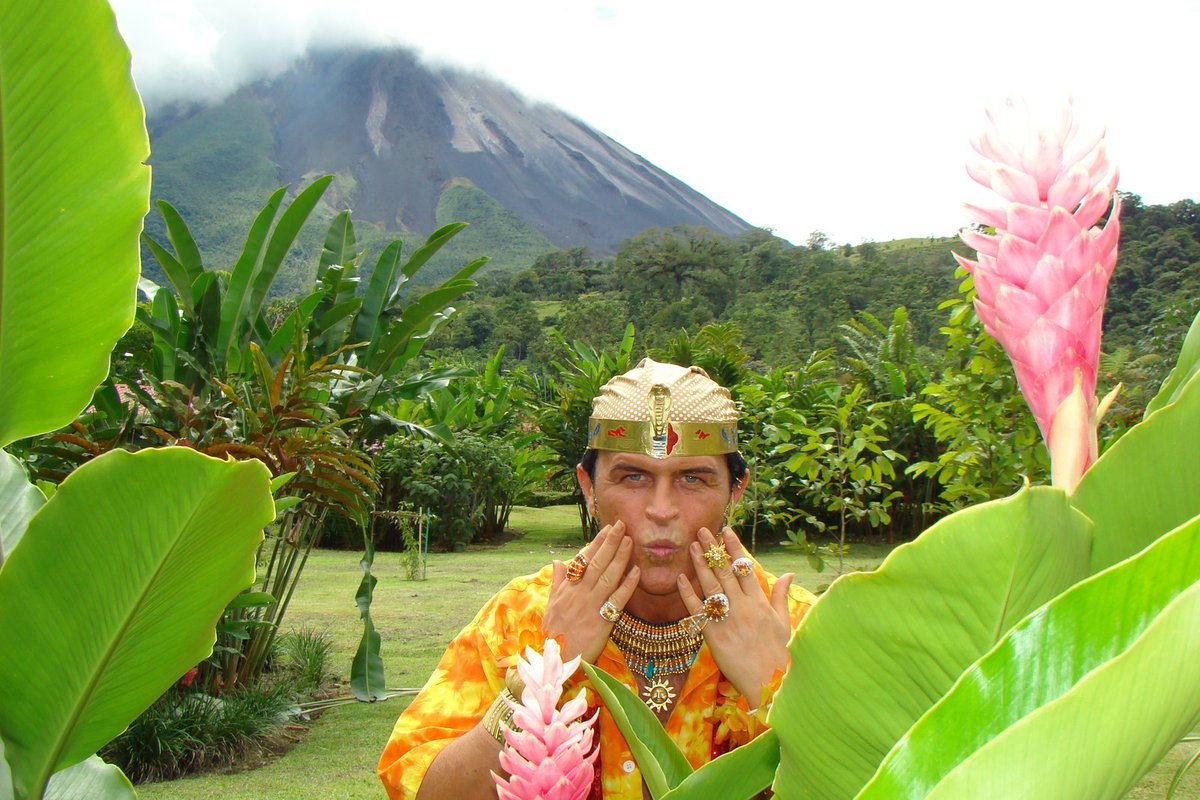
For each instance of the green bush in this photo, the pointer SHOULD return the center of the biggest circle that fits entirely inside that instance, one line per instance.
(184, 732)
(468, 487)
(306, 658)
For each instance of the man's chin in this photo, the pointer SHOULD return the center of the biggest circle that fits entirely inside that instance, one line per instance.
(659, 580)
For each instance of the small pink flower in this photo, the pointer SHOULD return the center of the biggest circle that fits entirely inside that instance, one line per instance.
(551, 757)
(189, 676)
(1041, 278)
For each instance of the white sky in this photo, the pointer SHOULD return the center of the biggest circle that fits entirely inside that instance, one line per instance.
(850, 118)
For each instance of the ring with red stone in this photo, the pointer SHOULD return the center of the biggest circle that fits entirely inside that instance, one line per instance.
(742, 566)
(576, 567)
(716, 606)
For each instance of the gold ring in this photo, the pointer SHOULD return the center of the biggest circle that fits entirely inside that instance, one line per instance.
(609, 612)
(695, 623)
(742, 567)
(716, 556)
(576, 567)
(716, 607)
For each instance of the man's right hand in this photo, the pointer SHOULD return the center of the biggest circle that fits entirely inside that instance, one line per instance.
(573, 610)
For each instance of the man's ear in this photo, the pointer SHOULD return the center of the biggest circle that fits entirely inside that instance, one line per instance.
(585, 484)
(739, 488)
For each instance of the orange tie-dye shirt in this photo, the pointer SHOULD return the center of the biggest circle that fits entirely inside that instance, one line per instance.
(710, 717)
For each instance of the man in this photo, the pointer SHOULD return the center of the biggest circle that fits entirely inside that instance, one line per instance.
(665, 598)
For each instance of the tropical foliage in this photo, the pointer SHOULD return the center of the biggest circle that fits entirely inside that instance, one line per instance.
(152, 544)
(1001, 645)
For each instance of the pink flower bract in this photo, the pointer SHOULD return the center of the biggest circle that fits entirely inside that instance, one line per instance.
(551, 757)
(1041, 277)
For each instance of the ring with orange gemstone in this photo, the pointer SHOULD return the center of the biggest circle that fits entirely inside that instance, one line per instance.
(576, 567)
(716, 606)
(716, 556)
(609, 612)
(742, 567)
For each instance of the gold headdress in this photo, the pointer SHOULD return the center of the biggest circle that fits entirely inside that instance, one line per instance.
(664, 410)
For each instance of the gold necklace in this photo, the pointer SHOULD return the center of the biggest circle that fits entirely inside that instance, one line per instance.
(657, 650)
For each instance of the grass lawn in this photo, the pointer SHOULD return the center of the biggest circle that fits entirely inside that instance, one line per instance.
(336, 757)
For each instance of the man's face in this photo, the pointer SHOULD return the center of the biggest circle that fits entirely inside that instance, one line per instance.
(664, 503)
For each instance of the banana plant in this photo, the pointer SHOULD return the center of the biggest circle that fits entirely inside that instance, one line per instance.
(152, 545)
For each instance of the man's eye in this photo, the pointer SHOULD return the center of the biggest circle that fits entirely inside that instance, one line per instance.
(634, 477)
(693, 480)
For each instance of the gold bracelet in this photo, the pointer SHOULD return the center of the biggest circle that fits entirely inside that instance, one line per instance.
(500, 714)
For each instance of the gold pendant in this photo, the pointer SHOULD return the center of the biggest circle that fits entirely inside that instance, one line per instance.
(658, 694)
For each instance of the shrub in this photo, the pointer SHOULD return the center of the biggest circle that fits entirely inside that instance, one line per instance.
(306, 657)
(190, 731)
(468, 487)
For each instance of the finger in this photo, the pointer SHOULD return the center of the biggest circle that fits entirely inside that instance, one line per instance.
(607, 579)
(779, 595)
(724, 574)
(625, 591)
(749, 581)
(605, 550)
(691, 602)
(708, 581)
(560, 574)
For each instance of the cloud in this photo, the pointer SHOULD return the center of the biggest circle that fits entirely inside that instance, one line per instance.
(849, 118)
(190, 50)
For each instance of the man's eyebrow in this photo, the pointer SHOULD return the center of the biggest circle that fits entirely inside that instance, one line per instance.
(700, 470)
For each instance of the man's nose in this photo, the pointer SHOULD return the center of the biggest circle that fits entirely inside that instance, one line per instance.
(662, 507)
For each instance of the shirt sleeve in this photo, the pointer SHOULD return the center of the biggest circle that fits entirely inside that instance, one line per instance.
(454, 700)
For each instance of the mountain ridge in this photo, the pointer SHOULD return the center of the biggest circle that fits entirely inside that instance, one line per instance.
(399, 135)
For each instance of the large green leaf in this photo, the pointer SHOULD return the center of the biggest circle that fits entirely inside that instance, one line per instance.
(18, 500)
(383, 277)
(366, 671)
(737, 775)
(660, 760)
(74, 193)
(91, 778)
(235, 301)
(1186, 369)
(116, 587)
(388, 353)
(880, 649)
(1078, 701)
(1146, 483)
(6, 785)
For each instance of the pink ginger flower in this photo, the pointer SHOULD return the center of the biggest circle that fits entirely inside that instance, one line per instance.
(551, 757)
(1041, 278)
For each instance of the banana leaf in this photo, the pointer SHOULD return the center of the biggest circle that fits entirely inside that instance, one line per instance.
(19, 499)
(1147, 483)
(74, 194)
(1078, 701)
(741, 773)
(117, 586)
(381, 285)
(1186, 369)
(366, 671)
(661, 762)
(91, 778)
(7, 791)
(879, 649)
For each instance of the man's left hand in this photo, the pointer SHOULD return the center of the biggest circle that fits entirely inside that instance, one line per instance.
(750, 643)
